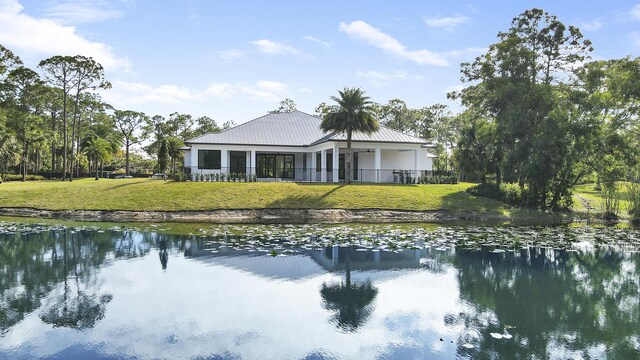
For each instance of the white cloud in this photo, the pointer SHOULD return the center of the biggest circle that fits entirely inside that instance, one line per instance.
(232, 54)
(82, 11)
(635, 12)
(273, 47)
(360, 30)
(467, 53)
(270, 91)
(130, 94)
(262, 90)
(378, 78)
(593, 26)
(125, 94)
(25, 34)
(221, 90)
(316, 40)
(448, 23)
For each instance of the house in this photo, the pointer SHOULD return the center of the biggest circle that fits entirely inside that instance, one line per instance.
(291, 146)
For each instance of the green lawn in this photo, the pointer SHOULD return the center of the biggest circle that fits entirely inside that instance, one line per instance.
(594, 198)
(146, 194)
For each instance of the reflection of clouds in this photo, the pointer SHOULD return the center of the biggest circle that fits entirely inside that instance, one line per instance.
(195, 310)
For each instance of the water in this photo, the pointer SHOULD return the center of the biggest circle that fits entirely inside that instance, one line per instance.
(313, 292)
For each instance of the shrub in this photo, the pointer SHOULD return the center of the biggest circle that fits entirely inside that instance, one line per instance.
(222, 176)
(178, 177)
(438, 179)
(18, 177)
(633, 189)
(511, 194)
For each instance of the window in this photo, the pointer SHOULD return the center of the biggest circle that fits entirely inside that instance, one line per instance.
(209, 159)
(275, 166)
(237, 162)
(328, 162)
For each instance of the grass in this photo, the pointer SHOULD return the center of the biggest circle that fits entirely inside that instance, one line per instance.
(147, 194)
(594, 197)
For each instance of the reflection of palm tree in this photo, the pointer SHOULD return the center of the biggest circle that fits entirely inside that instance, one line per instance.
(351, 302)
(80, 312)
(164, 255)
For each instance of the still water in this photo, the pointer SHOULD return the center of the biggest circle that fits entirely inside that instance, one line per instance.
(292, 292)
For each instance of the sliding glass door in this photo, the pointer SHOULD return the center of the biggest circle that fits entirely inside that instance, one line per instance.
(275, 166)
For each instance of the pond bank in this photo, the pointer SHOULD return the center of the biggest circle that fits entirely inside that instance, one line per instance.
(278, 216)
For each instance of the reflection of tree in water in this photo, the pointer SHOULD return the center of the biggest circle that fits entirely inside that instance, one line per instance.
(133, 244)
(164, 254)
(557, 302)
(33, 266)
(351, 302)
(80, 309)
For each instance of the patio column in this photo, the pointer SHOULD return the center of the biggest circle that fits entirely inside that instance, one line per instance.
(378, 161)
(323, 165)
(194, 162)
(310, 166)
(314, 166)
(336, 163)
(224, 161)
(252, 163)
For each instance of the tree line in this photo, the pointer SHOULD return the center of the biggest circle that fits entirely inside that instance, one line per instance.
(54, 123)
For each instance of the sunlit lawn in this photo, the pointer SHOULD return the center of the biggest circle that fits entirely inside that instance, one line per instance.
(147, 194)
(595, 198)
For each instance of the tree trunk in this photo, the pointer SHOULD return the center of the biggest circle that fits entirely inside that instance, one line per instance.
(127, 158)
(73, 138)
(348, 160)
(78, 151)
(24, 159)
(53, 146)
(64, 131)
(97, 167)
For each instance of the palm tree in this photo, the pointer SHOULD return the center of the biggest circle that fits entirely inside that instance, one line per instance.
(352, 114)
(10, 153)
(173, 148)
(97, 149)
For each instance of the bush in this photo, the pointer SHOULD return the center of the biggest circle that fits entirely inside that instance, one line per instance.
(438, 179)
(511, 194)
(178, 177)
(12, 177)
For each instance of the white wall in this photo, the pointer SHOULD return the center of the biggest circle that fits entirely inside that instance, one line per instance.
(393, 157)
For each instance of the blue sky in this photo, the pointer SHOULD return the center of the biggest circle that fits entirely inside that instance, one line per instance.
(237, 60)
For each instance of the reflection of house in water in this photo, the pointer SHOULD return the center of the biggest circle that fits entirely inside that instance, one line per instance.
(334, 258)
(304, 263)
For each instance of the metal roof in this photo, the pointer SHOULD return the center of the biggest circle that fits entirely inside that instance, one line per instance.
(294, 129)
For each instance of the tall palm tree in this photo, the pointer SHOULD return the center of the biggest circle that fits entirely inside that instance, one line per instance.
(353, 113)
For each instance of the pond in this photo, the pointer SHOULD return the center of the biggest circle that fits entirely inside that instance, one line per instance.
(79, 291)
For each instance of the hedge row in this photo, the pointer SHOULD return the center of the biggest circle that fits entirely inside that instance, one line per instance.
(12, 177)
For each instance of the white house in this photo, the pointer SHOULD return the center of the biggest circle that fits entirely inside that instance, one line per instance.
(291, 146)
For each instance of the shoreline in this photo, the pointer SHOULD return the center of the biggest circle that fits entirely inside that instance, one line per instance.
(277, 216)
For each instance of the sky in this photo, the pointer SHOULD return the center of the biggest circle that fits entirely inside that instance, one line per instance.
(236, 60)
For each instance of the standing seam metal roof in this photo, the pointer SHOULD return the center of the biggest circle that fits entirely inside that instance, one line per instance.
(294, 129)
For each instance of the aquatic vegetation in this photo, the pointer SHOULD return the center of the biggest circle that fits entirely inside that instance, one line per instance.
(290, 239)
